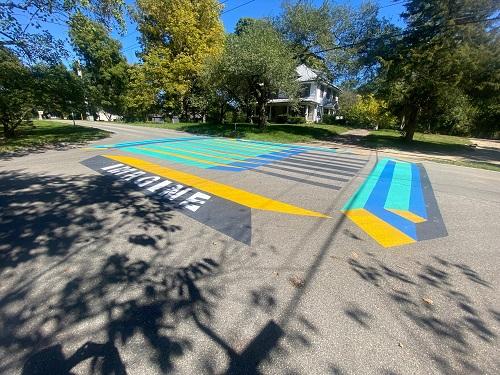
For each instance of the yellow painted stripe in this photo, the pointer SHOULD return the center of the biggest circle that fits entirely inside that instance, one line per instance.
(205, 154)
(408, 215)
(251, 146)
(185, 157)
(219, 150)
(385, 234)
(230, 193)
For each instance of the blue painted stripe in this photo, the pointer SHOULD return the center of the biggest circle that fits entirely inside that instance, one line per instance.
(249, 146)
(228, 169)
(230, 148)
(290, 145)
(417, 203)
(376, 202)
(180, 152)
(174, 159)
(359, 199)
(205, 149)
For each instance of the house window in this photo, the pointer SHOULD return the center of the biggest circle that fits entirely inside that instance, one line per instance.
(305, 91)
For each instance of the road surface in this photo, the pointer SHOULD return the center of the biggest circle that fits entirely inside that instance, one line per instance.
(154, 251)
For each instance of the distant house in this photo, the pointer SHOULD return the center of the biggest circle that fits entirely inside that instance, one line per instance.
(318, 97)
(103, 116)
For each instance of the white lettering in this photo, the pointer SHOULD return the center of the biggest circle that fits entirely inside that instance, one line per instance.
(125, 171)
(112, 166)
(131, 176)
(148, 180)
(198, 197)
(174, 192)
(159, 186)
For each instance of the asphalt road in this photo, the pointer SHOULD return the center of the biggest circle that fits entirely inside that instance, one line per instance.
(163, 253)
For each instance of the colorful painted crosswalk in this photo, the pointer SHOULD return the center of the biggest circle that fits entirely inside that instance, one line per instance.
(396, 205)
(234, 155)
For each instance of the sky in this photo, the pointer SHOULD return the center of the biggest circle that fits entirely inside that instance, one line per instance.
(232, 12)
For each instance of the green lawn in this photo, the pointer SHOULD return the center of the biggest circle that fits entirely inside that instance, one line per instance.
(421, 142)
(283, 133)
(470, 164)
(45, 133)
(431, 144)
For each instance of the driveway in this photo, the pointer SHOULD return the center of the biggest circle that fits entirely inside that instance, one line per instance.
(155, 251)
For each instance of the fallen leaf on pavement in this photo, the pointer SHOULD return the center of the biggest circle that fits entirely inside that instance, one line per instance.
(428, 301)
(297, 281)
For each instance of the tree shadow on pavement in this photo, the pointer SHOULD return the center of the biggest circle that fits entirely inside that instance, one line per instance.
(434, 305)
(74, 298)
(105, 359)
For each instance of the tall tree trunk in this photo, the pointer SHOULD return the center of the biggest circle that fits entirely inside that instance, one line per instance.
(222, 112)
(248, 111)
(9, 131)
(410, 122)
(261, 113)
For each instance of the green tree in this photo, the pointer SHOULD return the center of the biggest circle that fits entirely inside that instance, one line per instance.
(16, 93)
(30, 41)
(338, 39)
(141, 97)
(104, 68)
(365, 110)
(57, 90)
(258, 62)
(435, 69)
(178, 36)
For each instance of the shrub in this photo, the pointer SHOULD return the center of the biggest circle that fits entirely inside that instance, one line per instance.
(328, 119)
(367, 111)
(296, 120)
(282, 119)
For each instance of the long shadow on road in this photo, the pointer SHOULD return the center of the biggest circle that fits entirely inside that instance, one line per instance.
(69, 300)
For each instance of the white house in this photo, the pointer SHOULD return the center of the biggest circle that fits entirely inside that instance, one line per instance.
(103, 116)
(318, 97)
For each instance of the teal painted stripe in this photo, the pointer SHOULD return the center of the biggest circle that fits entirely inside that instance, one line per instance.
(168, 157)
(251, 146)
(359, 199)
(206, 149)
(235, 149)
(290, 145)
(254, 145)
(182, 152)
(398, 197)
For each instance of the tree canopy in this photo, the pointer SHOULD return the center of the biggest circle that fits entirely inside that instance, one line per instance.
(103, 67)
(257, 61)
(30, 41)
(443, 73)
(178, 36)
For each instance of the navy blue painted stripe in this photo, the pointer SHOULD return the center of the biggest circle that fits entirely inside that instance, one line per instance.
(376, 202)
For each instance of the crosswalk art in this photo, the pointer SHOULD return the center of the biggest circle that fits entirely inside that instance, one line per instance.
(173, 178)
(396, 205)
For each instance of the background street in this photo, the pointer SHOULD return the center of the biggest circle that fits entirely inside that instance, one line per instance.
(86, 257)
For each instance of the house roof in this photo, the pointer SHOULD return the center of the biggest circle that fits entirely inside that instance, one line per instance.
(306, 74)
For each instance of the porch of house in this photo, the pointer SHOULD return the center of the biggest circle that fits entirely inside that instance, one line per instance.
(275, 110)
